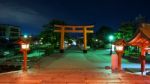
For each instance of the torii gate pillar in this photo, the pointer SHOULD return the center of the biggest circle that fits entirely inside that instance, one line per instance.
(85, 40)
(62, 40)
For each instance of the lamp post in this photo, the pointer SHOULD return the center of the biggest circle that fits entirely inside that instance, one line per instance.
(24, 49)
(111, 37)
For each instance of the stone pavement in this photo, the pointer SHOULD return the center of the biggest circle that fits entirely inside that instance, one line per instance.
(72, 68)
(72, 77)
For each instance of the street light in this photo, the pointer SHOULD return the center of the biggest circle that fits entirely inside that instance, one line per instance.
(25, 36)
(111, 38)
(24, 48)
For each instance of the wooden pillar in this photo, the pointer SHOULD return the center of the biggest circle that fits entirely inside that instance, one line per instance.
(142, 58)
(62, 40)
(85, 40)
(114, 62)
(24, 60)
(120, 61)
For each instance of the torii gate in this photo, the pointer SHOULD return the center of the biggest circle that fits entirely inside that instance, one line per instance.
(73, 29)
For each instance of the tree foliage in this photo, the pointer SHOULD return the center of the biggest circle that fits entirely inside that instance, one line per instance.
(48, 34)
(103, 33)
(126, 31)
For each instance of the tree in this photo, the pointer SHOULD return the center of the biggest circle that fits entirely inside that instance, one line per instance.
(89, 37)
(139, 19)
(126, 31)
(103, 33)
(48, 34)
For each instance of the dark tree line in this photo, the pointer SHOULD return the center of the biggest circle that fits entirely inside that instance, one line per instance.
(125, 31)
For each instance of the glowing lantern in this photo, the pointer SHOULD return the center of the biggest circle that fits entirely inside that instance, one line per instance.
(119, 48)
(24, 49)
(25, 46)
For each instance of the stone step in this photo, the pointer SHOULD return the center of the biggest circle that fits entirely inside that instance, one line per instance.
(28, 82)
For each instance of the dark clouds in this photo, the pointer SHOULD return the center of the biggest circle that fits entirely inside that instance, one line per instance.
(14, 13)
(20, 14)
(32, 14)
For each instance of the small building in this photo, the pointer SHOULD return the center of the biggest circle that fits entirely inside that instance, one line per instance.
(142, 40)
(9, 32)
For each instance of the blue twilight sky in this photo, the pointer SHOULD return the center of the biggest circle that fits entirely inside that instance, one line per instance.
(32, 14)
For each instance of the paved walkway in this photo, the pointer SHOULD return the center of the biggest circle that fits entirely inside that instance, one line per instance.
(72, 77)
(73, 67)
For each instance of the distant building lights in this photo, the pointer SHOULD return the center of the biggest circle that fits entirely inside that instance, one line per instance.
(30, 36)
(41, 43)
(7, 38)
(74, 43)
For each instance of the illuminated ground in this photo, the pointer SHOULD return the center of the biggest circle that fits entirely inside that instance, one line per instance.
(73, 67)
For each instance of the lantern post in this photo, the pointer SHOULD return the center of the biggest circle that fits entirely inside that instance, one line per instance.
(119, 51)
(119, 45)
(24, 48)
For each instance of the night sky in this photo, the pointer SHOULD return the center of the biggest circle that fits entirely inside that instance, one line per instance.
(30, 15)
